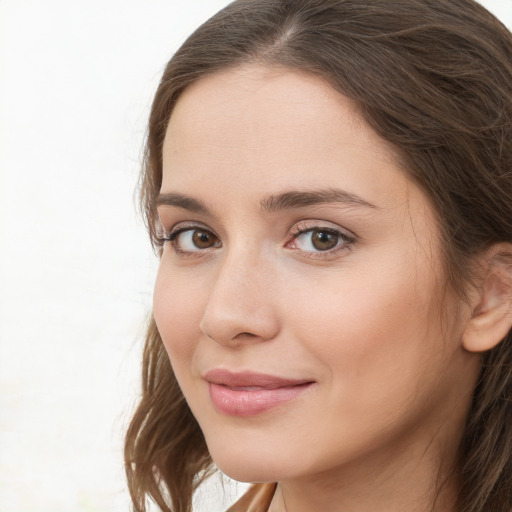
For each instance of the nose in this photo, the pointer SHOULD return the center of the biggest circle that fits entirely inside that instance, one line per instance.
(241, 304)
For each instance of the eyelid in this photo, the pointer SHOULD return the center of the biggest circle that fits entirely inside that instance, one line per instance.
(347, 237)
(183, 227)
(312, 224)
(179, 227)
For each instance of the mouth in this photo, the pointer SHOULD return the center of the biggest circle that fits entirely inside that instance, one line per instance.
(248, 394)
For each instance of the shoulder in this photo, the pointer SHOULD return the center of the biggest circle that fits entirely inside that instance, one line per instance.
(256, 499)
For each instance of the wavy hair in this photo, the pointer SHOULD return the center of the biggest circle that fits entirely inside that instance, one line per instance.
(434, 78)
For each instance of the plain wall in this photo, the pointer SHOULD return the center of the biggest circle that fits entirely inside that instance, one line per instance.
(76, 82)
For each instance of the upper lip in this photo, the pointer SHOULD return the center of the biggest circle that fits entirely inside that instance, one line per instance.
(251, 379)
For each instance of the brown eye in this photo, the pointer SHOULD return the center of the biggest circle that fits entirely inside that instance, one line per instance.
(203, 239)
(193, 240)
(323, 240)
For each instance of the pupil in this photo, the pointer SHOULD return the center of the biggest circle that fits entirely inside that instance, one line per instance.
(323, 240)
(201, 239)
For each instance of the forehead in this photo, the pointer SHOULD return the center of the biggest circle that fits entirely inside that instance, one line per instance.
(273, 129)
(278, 101)
(261, 89)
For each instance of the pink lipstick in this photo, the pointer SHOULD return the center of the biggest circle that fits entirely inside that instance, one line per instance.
(247, 393)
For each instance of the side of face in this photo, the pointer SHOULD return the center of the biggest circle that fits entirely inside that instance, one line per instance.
(298, 248)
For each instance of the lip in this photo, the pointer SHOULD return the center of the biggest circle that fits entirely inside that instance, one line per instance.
(247, 393)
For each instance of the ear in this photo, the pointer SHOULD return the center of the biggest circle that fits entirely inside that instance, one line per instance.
(491, 318)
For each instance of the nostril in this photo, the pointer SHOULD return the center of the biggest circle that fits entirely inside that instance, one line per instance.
(226, 321)
(244, 335)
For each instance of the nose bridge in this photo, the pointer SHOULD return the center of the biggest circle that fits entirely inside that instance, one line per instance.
(240, 303)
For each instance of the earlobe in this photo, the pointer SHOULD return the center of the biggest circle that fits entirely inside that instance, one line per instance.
(491, 319)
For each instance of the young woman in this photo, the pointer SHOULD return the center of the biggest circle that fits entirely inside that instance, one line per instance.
(329, 184)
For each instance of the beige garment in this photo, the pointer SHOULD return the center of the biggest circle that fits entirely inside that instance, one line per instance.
(256, 499)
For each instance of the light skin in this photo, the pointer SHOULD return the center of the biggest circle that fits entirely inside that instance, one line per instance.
(301, 249)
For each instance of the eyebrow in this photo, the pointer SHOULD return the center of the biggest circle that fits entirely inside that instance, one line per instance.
(271, 203)
(298, 199)
(181, 201)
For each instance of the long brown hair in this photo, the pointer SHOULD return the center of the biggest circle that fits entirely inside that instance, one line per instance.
(433, 77)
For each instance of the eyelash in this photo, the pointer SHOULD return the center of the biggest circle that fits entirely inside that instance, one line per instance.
(345, 240)
(178, 230)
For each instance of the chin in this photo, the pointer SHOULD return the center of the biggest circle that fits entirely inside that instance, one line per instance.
(248, 473)
(245, 466)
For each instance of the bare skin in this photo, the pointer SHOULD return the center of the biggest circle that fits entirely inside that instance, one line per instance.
(343, 290)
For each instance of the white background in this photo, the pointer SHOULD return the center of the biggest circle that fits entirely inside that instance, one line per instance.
(76, 82)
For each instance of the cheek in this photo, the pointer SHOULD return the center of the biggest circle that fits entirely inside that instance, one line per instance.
(178, 301)
(375, 330)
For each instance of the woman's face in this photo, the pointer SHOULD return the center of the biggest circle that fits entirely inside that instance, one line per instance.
(301, 296)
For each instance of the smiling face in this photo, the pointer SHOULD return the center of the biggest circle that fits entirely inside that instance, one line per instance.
(297, 248)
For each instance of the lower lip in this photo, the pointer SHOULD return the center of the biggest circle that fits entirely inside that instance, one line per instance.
(244, 403)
